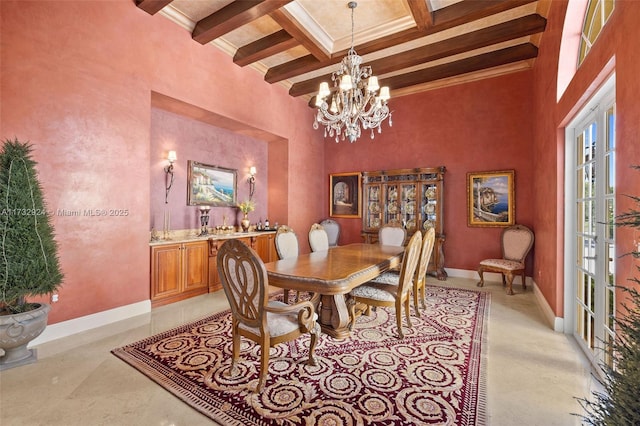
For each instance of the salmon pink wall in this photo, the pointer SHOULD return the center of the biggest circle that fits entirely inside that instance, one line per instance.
(77, 81)
(612, 51)
(462, 128)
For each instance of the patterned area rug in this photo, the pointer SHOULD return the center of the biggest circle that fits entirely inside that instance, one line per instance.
(431, 377)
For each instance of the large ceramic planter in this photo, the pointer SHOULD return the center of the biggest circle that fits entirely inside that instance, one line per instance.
(16, 331)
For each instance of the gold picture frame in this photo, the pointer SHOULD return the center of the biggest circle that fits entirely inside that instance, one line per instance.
(211, 185)
(345, 193)
(491, 198)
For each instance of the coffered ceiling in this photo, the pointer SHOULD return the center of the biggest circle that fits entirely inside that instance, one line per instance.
(411, 45)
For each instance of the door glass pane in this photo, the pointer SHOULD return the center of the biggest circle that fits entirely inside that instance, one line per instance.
(594, 227)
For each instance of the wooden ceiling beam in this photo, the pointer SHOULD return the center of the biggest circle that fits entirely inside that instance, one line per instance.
(459, 13)
(499, 33)
(233, 16)
(152, 6)
(421, 14)
(290, 26)
(309, 63)
(506, 56)
(267, 46)
(471, 10)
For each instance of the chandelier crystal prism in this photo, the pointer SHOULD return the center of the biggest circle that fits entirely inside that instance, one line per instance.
(357, 101)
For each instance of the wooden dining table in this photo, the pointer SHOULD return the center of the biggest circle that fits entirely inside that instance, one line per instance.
(332, 274)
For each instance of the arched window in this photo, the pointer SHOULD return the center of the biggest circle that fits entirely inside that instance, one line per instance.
(596, 16)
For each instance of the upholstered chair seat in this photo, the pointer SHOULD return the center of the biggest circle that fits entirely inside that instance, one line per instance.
(507, 265)
(279, 324)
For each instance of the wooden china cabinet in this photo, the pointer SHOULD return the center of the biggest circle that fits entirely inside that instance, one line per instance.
(411, 198)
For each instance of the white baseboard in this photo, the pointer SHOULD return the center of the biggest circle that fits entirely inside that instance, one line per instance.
(88, 322)
(556, 323)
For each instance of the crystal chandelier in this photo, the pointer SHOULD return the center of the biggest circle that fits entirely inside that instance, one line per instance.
(355, 100)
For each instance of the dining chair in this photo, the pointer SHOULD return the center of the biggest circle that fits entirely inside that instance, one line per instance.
(516, 242)
(392, 235)
(318, 238)
(374, 293)
(266, 322)
(286, 242)
(420, 281)
(333, 231)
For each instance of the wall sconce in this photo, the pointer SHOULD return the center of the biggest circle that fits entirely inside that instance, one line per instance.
(252, 181)
(168, 170)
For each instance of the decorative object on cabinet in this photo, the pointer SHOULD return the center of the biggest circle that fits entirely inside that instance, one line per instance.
(246, 207)
(516, 242)
(211, 185)
(332, 229)
(168, 171)
(204, 220)
(491, 198)
(355, 100)
(252, 181)
(254, 316)
(410, 198)
(344, 194)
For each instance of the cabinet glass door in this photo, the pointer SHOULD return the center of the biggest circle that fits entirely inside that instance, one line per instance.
(429, 206)
(391, 205)
(373, 209)
(410, 207)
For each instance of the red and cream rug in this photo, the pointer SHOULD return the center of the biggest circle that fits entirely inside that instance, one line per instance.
(434, 376)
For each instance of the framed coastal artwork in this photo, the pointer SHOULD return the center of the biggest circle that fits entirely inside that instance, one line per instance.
(345, 194)
(211, 185)
(491, 198)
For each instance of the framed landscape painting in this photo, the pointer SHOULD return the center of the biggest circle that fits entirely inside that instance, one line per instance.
(344, 194)
(211, 185)
(491, 198)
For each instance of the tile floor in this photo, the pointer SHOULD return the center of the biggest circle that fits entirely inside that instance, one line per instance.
(533, 373)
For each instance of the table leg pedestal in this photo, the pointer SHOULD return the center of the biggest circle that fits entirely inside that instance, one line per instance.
(334, 316)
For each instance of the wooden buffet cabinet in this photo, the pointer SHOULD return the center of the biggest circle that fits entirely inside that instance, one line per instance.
(412, 198)
(187, 268)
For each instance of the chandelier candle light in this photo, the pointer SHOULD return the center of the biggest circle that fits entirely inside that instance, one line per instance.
(355, 100)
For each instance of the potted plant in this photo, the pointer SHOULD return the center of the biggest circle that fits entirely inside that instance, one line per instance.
(29, 264)
(246, 207)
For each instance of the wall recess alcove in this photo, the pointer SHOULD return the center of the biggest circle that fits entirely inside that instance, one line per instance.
(204, 136)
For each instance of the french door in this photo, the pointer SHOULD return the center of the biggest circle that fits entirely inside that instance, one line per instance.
(590, 217)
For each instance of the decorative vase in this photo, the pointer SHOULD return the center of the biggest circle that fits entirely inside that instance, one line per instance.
(245, 223)
(16, 331)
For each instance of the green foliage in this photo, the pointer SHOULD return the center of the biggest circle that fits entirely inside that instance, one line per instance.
(29, 263)
(619, 404)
